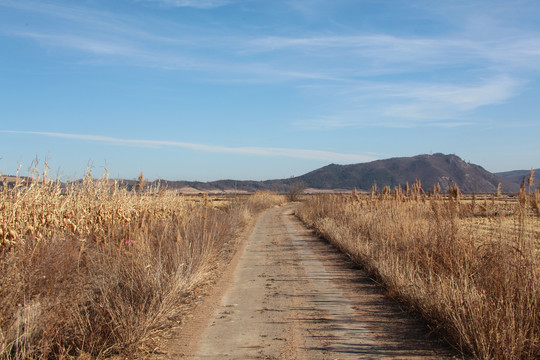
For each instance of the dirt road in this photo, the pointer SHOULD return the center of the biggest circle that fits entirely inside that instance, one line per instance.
(292, 296)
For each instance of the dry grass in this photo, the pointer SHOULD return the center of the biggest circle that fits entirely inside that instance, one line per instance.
(90, 270)
(469, 266)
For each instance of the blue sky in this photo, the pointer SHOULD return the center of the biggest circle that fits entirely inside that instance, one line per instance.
(259, 89)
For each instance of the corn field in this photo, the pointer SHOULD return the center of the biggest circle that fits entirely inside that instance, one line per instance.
(92, 270)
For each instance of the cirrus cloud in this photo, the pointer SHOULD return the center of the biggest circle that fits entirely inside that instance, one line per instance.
(247, 150)
(201, 4)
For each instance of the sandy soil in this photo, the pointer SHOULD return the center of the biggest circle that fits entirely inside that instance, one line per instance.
(289, 295)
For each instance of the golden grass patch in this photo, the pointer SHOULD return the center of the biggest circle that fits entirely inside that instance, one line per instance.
(90, 269)
(470, 265)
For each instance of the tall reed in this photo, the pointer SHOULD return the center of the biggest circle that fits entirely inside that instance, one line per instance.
(90, 269)
(470, 268)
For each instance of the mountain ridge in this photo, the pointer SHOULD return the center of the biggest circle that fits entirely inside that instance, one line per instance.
(516, 176)
(443, 169)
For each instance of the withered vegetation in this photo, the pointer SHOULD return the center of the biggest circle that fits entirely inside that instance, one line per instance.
(469, 264)
(92, 270)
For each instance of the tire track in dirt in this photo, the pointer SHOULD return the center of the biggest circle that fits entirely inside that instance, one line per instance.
(293, 296)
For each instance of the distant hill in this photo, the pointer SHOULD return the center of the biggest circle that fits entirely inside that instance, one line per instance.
(429, 169)
(516, 176)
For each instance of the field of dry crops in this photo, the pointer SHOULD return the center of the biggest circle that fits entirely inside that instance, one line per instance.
(469, 265)
(90, 269)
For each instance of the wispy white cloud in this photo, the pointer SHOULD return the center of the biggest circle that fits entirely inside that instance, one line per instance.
(413, 104)
(119, 39)
(120, 51)
(250, 150)
(471, 72)
(125, 51)
(443, 101)
(382, 52)
(202, 4)
(89, 45)
(86, 22)
(267, 58)
(308, 8)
